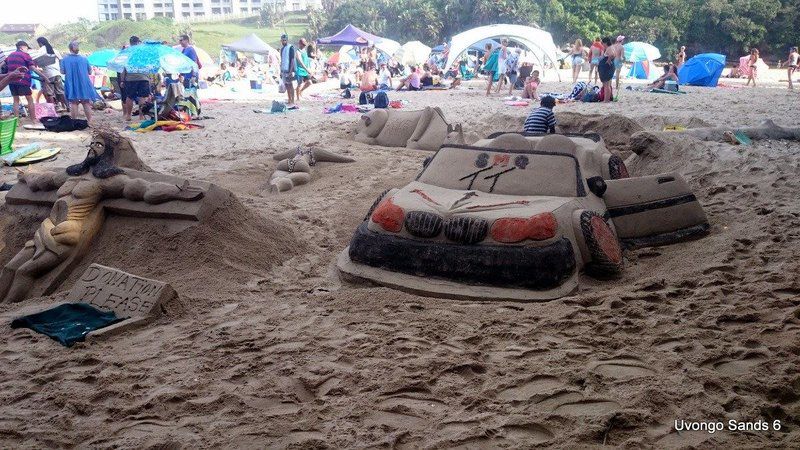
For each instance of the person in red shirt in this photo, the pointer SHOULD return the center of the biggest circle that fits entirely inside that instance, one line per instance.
(22, 86)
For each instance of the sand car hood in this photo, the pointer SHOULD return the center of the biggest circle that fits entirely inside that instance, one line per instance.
(451, 203)
(418, 196)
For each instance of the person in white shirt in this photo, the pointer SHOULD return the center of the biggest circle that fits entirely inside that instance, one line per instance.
(384, 77)
(53, 86)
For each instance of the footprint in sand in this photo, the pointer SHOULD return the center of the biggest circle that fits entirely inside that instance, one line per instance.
(621, 368)
(573, 404)
(736, 366)
(536, 386)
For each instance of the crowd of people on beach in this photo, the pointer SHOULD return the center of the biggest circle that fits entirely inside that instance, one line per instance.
(67, 81)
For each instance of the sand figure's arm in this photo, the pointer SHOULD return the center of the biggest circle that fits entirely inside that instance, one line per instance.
(137, 189)
(43, 181)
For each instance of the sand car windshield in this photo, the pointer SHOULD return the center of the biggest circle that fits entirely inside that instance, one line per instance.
(505, 172)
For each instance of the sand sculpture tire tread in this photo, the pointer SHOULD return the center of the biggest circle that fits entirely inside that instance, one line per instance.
(605, 252)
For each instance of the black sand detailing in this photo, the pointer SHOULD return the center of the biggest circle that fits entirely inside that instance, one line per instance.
(466, 230)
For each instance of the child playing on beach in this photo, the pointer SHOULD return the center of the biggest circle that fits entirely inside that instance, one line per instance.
(542, 119)
(531, 85)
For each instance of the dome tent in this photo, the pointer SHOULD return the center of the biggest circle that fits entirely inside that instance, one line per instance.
(251, 44)
(351, 35)
(702, 70)
(537, 41)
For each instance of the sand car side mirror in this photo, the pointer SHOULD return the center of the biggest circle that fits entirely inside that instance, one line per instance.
(597, 185)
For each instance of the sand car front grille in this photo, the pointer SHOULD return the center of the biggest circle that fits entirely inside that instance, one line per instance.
(533, 267)
(423, 224)
(466, 230)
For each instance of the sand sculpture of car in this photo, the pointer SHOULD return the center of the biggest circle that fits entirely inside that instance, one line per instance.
(517, 217)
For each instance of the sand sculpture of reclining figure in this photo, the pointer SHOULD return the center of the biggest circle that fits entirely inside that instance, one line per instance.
(294, 167)
(77, 214)
(425, 129)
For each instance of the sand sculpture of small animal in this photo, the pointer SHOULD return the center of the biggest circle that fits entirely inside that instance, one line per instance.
(425, 129)
(294, 167)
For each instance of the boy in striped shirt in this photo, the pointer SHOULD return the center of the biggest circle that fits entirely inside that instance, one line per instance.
(542, 119)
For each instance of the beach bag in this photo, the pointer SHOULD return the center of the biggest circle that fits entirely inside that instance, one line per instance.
(45, 110)
(64, 123)
(347, 94)
(590, 97)
(381, 100)
(278, 107)
(365, 98)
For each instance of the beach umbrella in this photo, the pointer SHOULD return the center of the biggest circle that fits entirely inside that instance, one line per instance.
(640, 51)
(100, 58)
(413, 53)
(151, 58)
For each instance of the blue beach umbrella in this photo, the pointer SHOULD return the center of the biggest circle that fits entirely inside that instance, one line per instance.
(100, 58)
(640, 51)
(151, 58)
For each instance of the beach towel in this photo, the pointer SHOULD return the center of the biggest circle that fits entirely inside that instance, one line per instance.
(63, 123)
(68, 323)
(516, 103)
(45, 110)
(11, 158)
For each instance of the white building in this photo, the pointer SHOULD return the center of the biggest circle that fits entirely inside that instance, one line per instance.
(190, 9)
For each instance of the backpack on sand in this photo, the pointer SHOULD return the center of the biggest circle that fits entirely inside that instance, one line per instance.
(381, 100)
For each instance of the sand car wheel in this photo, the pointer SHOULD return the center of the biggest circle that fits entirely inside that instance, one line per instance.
(375, 204)
(617, 168)
(603, 244)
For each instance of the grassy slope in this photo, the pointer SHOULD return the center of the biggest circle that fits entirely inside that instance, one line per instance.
(209, 36)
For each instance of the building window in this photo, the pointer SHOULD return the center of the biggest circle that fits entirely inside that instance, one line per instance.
(139, 6)
(244, 10)
(158, 5)
(187, 14)
(226, 10)
(198, 5)
(169, 14)
(185, 5)
(127, 15)
(114, 16)
(295, 6)
(215, 10)
(141, 16)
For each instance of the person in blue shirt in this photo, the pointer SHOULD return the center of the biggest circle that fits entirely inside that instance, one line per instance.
(189, 52)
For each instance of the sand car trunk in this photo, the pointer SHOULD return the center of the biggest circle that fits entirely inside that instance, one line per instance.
(654, 210)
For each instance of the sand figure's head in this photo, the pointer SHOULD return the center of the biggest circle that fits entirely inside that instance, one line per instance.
(100, 158)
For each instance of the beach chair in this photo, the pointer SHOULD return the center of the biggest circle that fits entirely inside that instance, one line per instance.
(8, 128)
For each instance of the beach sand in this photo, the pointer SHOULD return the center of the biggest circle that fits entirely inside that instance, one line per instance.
(272, 350)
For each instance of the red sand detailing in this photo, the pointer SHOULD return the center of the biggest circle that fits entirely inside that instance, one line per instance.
(542, 226)
(495, 205)
(510, 230)
(501, 160)
(606, 240)
(539, 227)
(389, 216)
(425, 196)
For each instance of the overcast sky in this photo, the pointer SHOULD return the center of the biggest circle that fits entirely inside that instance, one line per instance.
(48, 12)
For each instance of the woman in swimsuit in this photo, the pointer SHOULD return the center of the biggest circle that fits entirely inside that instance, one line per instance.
(753, 63)
(793, 62)
(606, 68)
(595, 53)
(576, 56)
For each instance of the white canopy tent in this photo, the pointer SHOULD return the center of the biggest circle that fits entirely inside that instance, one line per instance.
(414, 52)
(538, 42)
(251, 44)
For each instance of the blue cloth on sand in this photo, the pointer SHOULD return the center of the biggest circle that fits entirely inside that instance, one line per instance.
(67, 323)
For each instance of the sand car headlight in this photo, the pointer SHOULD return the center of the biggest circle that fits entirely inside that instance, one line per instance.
(389, 216)
(538, 228)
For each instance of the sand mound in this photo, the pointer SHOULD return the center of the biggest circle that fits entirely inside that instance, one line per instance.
(616, 130)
